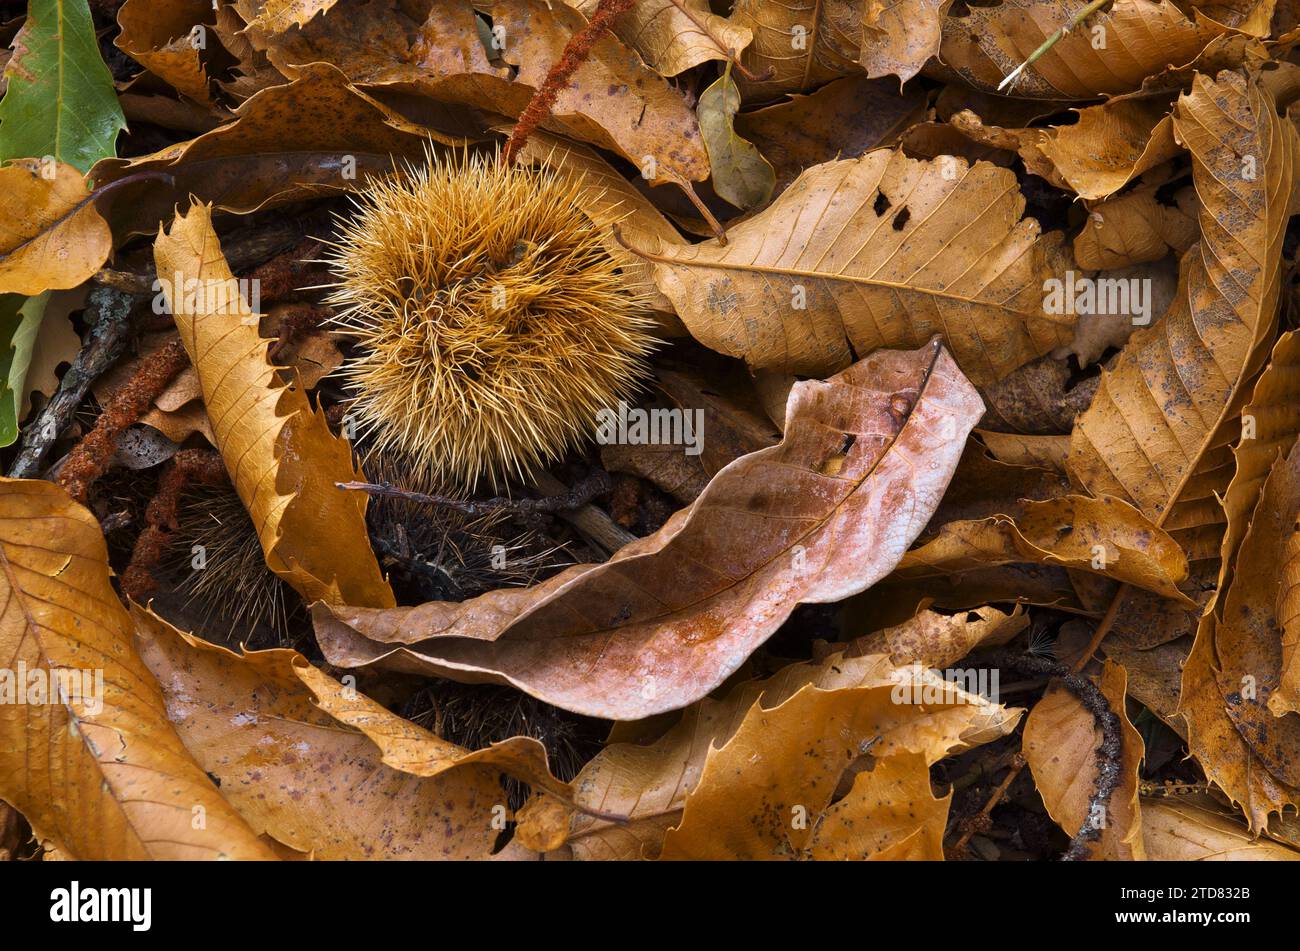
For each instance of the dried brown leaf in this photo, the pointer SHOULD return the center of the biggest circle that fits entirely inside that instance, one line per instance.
(282, 458)
(1061, 741)
(819, 517)
(880, 251)
(99, 771)
(51, 235)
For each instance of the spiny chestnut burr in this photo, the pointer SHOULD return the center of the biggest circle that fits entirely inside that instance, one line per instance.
(488, 320)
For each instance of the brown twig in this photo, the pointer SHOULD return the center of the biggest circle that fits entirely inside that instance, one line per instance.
(1103, 627)
(598, 483)
(242, 251)
(92, 455)
(592, 523)
(108, 311)
(981, 819)
(188, 465)
(575, 54)
(1108, 754)
(714, 225)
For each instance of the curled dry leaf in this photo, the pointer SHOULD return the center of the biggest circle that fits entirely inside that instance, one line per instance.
(648, 784)
(282, 458)
(1239, 694)
(1158, 430)
(1179, 832)
(842, 119)
(323, 769)
(802, 44)
(901, 250)
(768, 793)
(1223, 743)
(1270, 424)
(417, 43)
(51, 235)
(798, 44)
(612, 100)
(900, 36)
(161, 37)
(1061, 741)
(1013, 449)
(821, 516)
(1225, 754)
(275, 16)
(1105, 536)
(1111, 145)
(287, 142)
(940, 640)
(252, 71)
(1142, 38)
(98, 772)
(1136, 228)
(674, 36)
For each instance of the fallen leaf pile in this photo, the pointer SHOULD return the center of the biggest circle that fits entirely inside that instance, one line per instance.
(956, 516)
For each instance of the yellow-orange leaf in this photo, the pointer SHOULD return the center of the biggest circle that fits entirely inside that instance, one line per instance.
(282, 458)
(97, 769)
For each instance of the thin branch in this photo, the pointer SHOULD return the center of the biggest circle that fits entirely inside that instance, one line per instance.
(703, 209)
(1108, 754)
(598, 483)
(1051, 41)
(109, 311)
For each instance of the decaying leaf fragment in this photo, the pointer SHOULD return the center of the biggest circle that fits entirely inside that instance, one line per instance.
(802, 44)
(768, 793)
(649, 784)
(282, 458)
(674, 36)
(822, 515)
(317, 135)
(1104, 536)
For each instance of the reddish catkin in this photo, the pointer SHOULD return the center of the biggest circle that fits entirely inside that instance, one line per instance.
(90, 457)
(283, 275)
(575, 54)
(188, 465)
